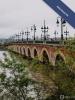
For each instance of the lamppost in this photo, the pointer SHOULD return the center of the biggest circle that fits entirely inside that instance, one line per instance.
(18, 36)
(33, 28)
(27, 34)
(62, 24)
(66, 33)
(22, 34)
(44, 29)
(55, 33)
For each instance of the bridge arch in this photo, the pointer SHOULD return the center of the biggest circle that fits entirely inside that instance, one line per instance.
(60, 59)
(29, 52)
(35, 52)
(45, 56)
(24, 51)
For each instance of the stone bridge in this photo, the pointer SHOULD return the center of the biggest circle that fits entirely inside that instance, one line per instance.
(44, 52)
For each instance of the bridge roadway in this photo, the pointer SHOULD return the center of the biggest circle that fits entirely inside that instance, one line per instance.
(44, 52)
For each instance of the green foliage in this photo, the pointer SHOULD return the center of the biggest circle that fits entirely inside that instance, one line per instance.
(17, 81)
(17, 85)
(61, 74)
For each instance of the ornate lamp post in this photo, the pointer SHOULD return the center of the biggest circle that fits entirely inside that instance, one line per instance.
(44, 29)
(17, 37)
(27, 34)
(33, 28)
(22, 34)
(55, 33)
(62, 24)
(66, 33)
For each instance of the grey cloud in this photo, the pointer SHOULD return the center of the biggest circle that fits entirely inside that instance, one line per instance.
(16, 15)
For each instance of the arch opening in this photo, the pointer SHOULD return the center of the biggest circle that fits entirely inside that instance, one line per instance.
(45, 57)
(35, 53)
(59, 61)
(24, 52)
(29, 54)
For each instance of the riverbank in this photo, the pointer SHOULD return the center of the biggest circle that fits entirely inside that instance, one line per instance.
(57, 80)
(46, 85)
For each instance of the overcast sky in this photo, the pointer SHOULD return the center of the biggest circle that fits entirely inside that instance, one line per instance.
(17, 15)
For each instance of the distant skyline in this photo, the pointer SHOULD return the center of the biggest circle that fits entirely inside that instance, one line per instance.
(17, 15)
